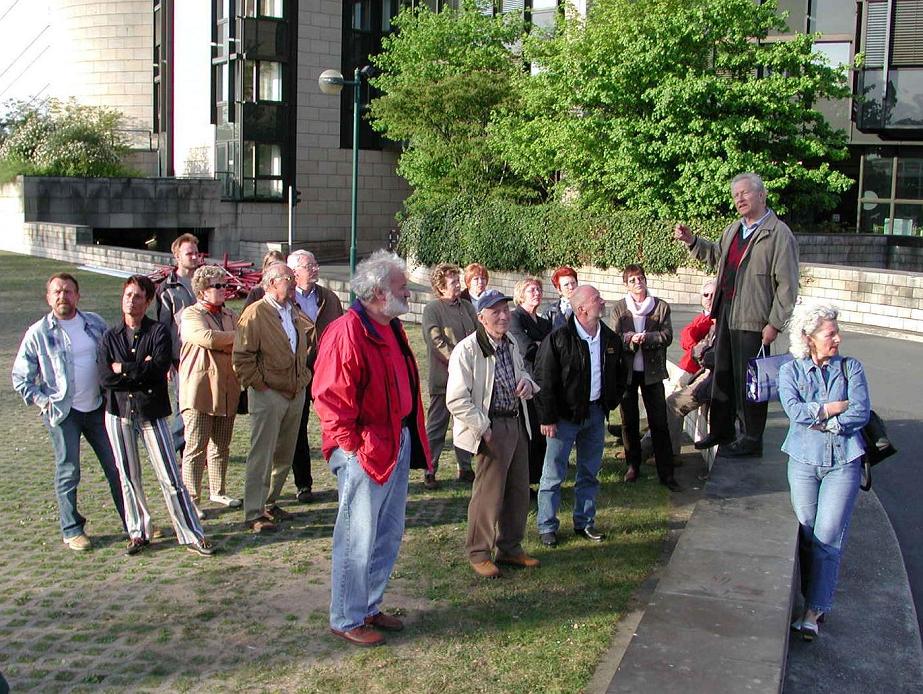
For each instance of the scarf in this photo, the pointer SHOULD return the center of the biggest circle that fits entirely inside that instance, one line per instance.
(639, 312)
(213, 309)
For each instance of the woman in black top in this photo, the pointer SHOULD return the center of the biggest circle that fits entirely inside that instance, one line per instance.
(528, 329)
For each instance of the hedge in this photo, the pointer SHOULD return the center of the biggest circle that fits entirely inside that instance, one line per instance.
(507, 236)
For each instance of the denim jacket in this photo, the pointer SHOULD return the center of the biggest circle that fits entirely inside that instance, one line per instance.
(802, 390)
(43, 372)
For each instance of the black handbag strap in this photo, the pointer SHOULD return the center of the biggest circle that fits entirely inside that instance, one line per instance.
(866, 483)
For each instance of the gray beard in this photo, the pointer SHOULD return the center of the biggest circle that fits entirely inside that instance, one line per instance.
(394, 307)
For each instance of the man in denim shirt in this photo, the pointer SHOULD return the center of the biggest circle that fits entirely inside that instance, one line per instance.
(55, 370)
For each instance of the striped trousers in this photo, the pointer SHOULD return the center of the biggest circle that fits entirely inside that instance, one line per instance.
(208, 438)
(123, 435)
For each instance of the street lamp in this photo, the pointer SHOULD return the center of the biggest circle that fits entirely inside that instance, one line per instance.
(332, 82)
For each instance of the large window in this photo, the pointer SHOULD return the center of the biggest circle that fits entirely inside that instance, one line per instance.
(262, 171)
(262, 81)
(891, 198)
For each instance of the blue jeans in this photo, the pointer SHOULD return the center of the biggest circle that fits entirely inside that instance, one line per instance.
(823, 499)
(367, 536)
(65, 444)
(589, 436)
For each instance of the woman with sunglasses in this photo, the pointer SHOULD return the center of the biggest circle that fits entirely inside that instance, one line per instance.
(209, 389)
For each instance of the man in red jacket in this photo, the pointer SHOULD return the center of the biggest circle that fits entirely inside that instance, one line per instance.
(367, 397)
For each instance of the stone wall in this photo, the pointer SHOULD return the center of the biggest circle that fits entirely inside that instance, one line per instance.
(862, 250)
(886, 299)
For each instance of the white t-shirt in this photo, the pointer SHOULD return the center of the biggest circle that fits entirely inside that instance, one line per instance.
(86, 377)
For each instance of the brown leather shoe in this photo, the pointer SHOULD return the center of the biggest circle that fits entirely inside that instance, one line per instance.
(262, 525)
(631, 475)
(360, 636)
(278, 514)
(523, 560)
(486, 569)
(386, 622)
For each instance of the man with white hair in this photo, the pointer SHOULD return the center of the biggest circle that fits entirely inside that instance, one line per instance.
(367, 398)
(757, 264)
(270, 357)
(321, 306)
(487, 386)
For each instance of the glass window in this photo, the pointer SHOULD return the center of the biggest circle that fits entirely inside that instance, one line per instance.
(270, 87)
(221, 82)
(906, 220)
(268, 188)
(832, 17)
(269, 160)
(872, 217)
(909, 178)
(223, 9)
(835, 54)
(906, 108)
(362, 15)
(271, 8)
(876, 176)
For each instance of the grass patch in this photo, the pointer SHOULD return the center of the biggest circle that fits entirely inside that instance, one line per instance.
(262, 602)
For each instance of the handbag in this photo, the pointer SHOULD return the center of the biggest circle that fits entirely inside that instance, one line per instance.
(763, 375)
(877, 447)
(877, 444)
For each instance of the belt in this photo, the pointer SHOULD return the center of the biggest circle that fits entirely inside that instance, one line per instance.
(504, 415)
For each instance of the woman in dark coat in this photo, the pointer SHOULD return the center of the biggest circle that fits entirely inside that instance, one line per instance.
(528, 329)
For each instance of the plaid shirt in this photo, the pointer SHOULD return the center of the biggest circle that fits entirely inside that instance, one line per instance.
(504, 397)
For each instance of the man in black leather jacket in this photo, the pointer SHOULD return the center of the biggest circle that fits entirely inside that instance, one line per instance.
(582, 373)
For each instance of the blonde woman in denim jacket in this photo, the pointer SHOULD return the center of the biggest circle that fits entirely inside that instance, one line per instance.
(826, 399)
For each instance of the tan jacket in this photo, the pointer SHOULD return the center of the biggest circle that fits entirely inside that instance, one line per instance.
(766, 285)
(471, 386)
(262, 355)
(444, 325)
(207, 382)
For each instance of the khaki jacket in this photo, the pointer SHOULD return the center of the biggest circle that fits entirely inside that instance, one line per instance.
(262, 354)
(471, 386)
(766, 286)
(207, 382)
(444, 325)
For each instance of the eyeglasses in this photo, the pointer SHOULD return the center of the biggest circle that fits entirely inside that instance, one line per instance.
(706, 295)
(220, 285)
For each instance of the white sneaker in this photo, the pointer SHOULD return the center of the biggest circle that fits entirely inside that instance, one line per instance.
(225, 500)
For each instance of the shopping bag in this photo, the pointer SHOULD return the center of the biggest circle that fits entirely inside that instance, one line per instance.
(763, 376)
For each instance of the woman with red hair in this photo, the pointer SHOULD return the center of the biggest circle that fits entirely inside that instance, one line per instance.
(565, 281)
(476, 278)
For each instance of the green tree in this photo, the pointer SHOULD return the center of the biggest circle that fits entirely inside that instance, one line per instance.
(62, 139)
(654, 105)
(443, 76)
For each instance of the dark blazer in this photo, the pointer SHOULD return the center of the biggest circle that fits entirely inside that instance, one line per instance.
(528, 333)
(562, 369)
(658, 335)
(141, 388)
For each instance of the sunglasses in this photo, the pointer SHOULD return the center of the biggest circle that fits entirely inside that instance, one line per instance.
(220, 285)
(707, 295)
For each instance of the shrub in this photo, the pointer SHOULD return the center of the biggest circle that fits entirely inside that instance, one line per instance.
(508, 236)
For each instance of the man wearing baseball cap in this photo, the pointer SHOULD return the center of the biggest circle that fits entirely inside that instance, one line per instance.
(485, 392)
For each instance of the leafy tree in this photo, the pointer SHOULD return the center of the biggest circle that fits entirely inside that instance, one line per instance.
(655, 104)
(443, 77)
(62, 139)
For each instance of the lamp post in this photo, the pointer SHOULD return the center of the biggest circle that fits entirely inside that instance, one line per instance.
(332, 82)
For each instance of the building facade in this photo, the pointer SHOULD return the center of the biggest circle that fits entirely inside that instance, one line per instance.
(223, 90)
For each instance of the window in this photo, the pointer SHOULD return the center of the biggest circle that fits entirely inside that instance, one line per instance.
(891, 201)
(262, 171)
(262, 81)
(831, 17)
(263, 8)
(836, 54)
